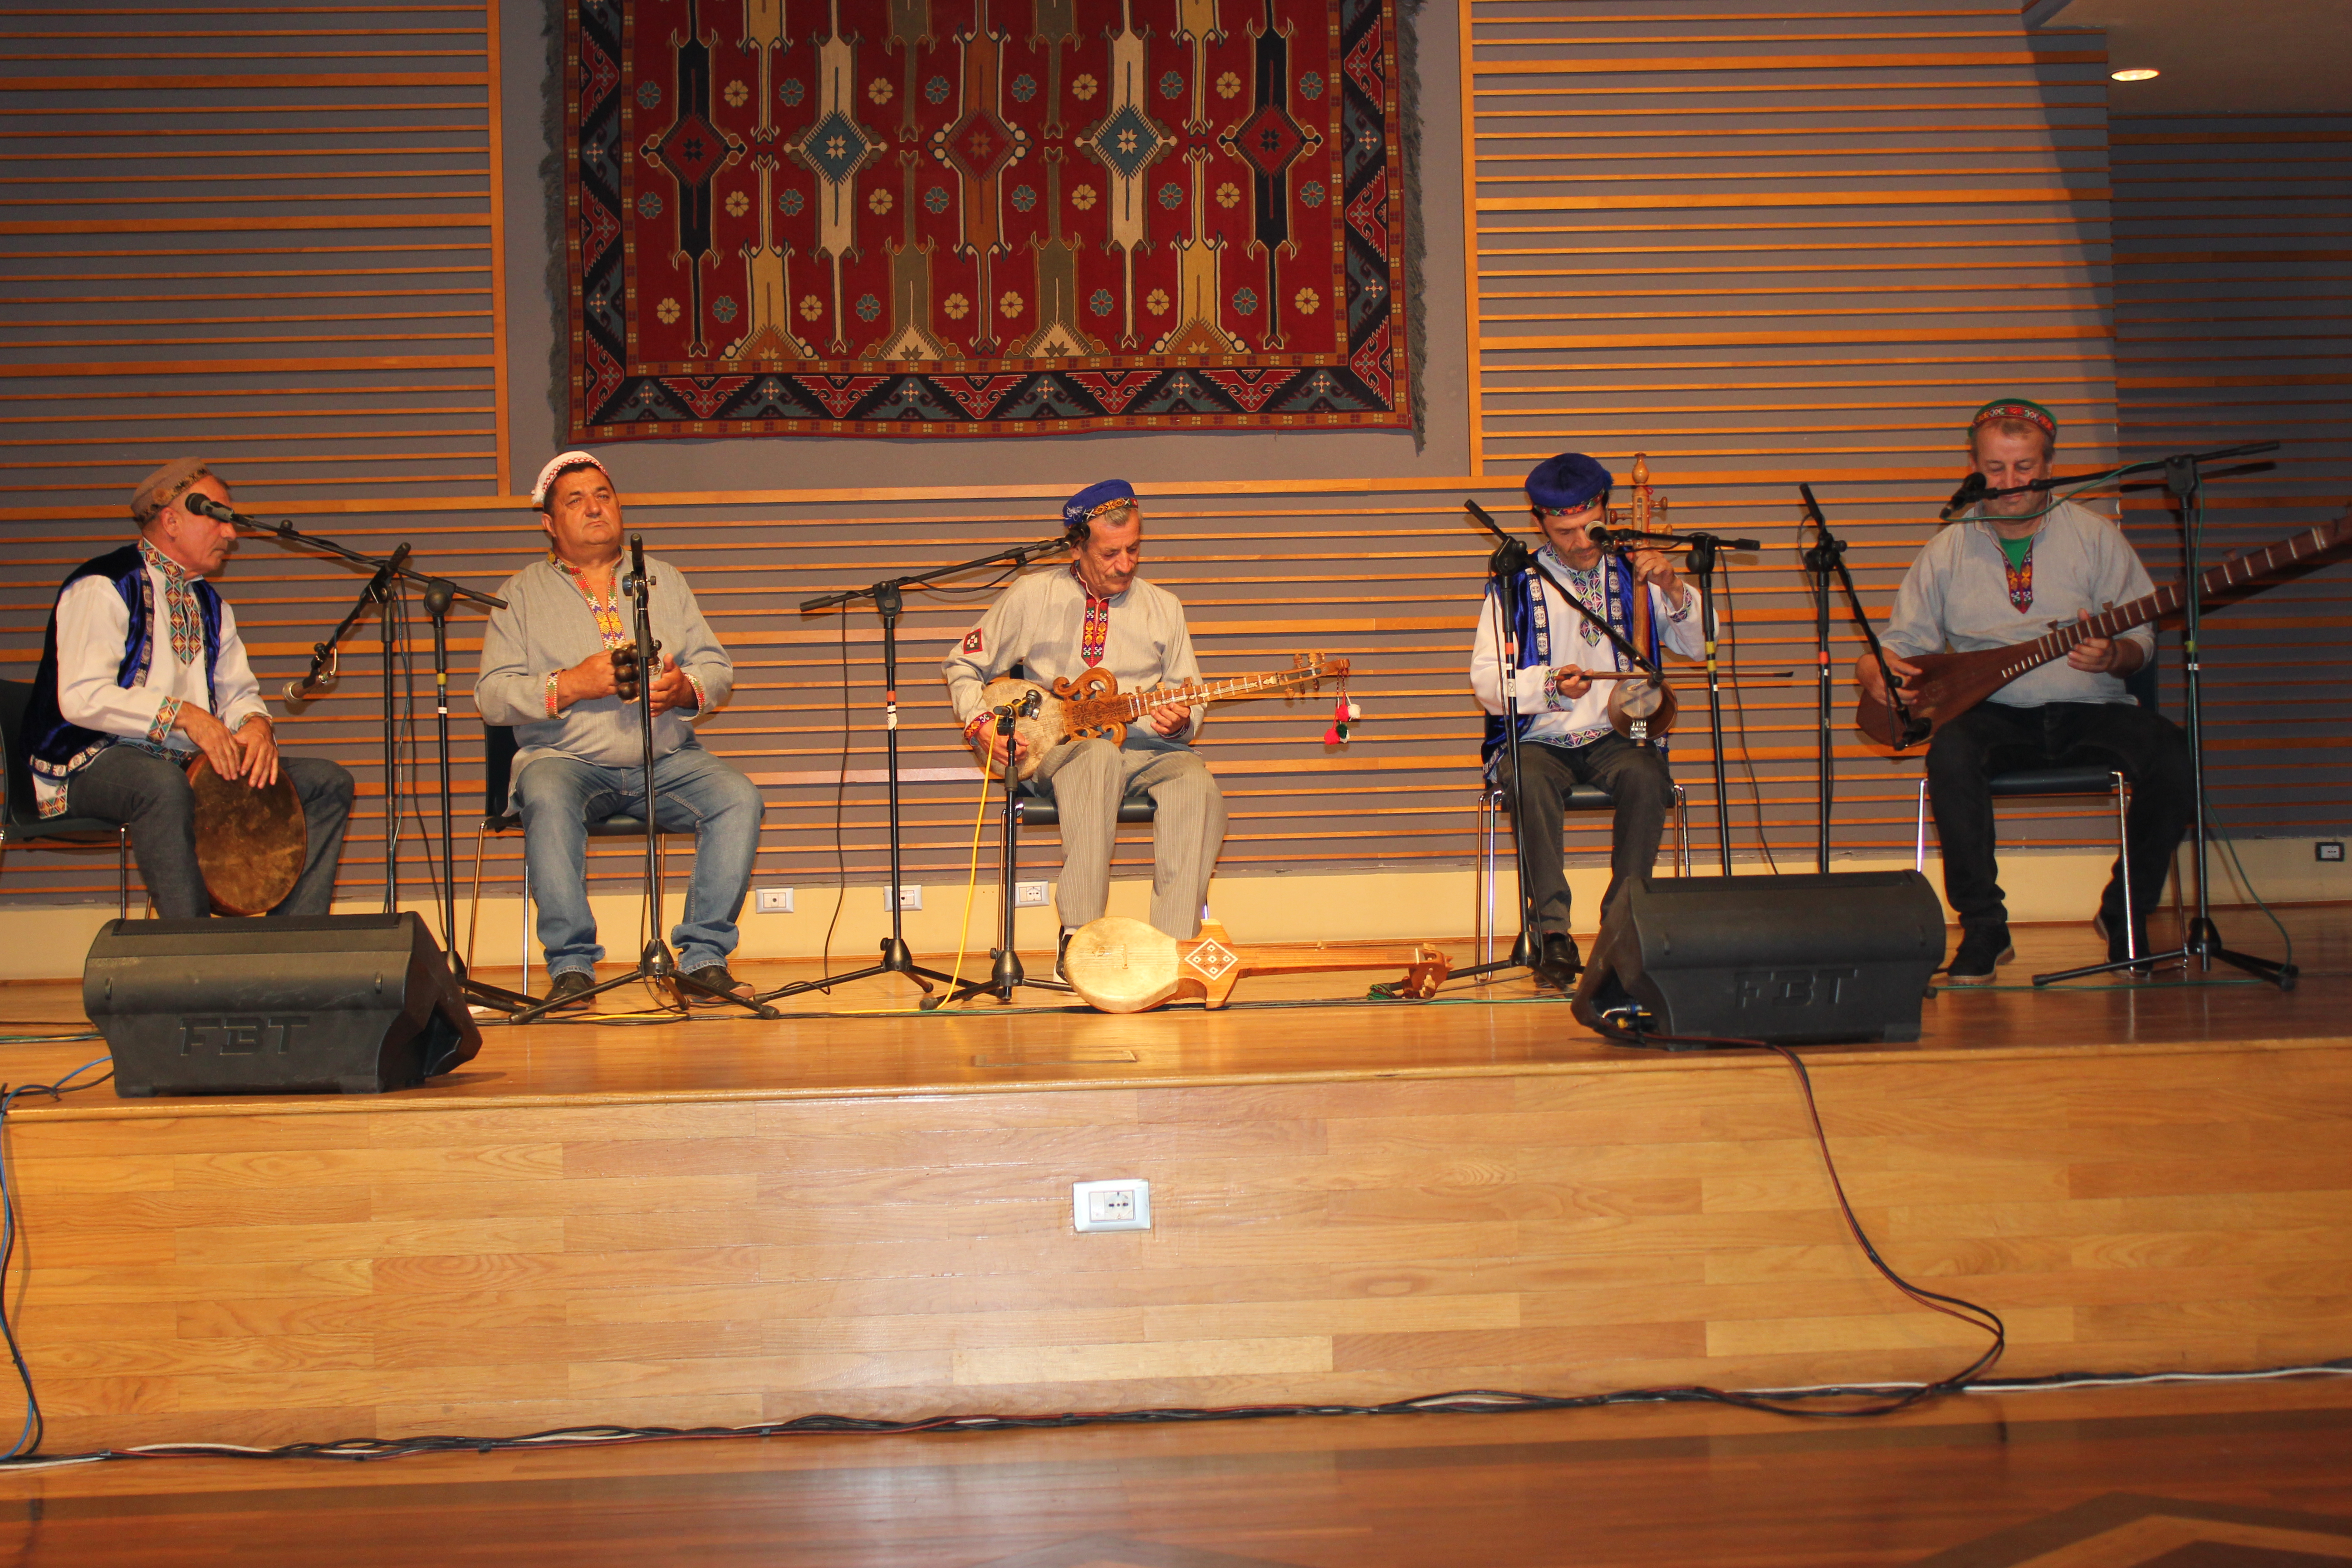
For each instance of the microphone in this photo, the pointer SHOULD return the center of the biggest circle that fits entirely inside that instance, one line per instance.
(1597, 531)
(298, 690)
(1972, 490)
(205, 506)
(638, 558)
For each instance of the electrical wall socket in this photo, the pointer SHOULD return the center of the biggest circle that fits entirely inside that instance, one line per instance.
(2327, 849)
(910, 896)
(1029, 895)
(1121, 1205)
(774, 900)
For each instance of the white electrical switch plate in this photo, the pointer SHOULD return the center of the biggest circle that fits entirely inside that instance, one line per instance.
(910, 896)
(1029, 895)
(1122, 1205)
(775, 901)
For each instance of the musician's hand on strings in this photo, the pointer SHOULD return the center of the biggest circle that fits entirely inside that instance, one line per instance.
(671, 689)
(1655, 568)
(1874, 686)
(1169, 720)
(260, 742)
(2103, 656)
(212, 739)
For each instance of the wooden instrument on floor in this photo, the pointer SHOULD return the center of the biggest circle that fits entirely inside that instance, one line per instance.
(250, 843)
(1091, 706)
(1641, 707)
(1119, 965)
(1950, 684)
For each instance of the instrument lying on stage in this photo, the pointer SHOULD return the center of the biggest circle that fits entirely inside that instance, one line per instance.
(1950, 684)
(1119, 965)
(250, 843)
(1639, 706)
(1091, 706)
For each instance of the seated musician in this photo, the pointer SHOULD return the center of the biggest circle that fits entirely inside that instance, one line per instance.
(1565, 736)
(548, 668)
(142, 669)
(2006, 572)
(1099, 613)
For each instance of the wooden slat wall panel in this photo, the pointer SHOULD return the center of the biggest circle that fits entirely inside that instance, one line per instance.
(1767, 243)
(2231, 325)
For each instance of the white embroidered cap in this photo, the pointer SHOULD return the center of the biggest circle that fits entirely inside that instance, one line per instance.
(556, 466)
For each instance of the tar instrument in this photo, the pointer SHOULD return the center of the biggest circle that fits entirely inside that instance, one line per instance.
(1091, 706)
(1641, 707)
(1119, 965)
(1950, 684)
(250, 841)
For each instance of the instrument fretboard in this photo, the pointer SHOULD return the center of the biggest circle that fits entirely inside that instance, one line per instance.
(1135, 704)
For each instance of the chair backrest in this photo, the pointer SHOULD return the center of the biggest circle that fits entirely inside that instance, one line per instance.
(16, 765)
(498, 767)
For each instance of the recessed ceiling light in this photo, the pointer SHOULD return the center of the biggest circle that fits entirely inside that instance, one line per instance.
(2139, 74)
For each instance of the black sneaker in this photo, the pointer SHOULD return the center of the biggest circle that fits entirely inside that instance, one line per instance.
(2123, 944)
(1559, 963)
(1061, 956)
(568, 994)
(715, 977)
(1983, 949)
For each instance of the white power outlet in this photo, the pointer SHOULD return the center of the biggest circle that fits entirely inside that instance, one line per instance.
(910, 896)
(1029, 895)
(1121, 1205)
(774, 900)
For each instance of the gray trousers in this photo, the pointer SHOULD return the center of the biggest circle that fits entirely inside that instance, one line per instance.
(152, 797)
(1087, 779)
(1635, 777)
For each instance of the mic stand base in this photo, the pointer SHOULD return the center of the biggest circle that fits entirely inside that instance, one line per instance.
(895, 960)
(1523, 956)
(2202, 944)
(654, 963)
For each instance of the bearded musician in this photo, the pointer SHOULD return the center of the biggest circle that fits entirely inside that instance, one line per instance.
(141, 671)
(1565, 734)
(1100, 613)
(2006, 572)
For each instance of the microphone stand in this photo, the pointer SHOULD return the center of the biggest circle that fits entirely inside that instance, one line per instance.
(1525, 951)
(1702, 550)
(889, 603)
(654, 962)
(383, 591)
(1824, 557)
(2202, 939)
(1007, 972)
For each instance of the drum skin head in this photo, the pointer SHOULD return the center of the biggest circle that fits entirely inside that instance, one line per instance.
(250, 843)
(1121, 965)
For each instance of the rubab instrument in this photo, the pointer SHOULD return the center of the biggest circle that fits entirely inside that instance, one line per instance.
(1121, 965)
(1091, 706)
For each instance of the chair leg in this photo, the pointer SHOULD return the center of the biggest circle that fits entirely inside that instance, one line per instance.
(1482, 854)
(526, 928)
(2123, 857)
(1919, 851)
(122, 873)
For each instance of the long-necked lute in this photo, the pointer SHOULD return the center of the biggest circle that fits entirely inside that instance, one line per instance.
(1091, 706)
(1950, 684)
(1119, 965)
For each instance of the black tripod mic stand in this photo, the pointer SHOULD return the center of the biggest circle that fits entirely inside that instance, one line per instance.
(1007, 972)
(889, 603)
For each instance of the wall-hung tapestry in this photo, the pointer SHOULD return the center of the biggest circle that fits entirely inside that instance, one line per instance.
(975, 217)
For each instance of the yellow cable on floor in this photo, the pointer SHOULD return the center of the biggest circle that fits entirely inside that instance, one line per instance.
(971, 886)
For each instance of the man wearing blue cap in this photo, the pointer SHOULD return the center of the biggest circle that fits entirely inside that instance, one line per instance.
(1565, 736)
(1096, 612)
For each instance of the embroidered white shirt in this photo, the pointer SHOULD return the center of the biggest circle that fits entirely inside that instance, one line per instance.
(1567, 721)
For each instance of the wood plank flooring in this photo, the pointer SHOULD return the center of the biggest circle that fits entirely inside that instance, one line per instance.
(2234, 1476)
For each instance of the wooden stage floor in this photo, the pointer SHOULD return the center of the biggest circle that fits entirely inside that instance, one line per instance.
(865, 1210)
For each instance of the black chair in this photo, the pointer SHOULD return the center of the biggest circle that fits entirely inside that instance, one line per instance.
(21, 821)
(2086, 780)
(1493, 805)
(497, 778)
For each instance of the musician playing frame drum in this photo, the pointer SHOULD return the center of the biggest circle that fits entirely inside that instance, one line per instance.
(1565, 731)
(141, 671)
(2006, 572)
(1098, 613)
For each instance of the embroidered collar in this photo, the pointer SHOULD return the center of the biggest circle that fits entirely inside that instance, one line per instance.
(174, 574)
(579, 573)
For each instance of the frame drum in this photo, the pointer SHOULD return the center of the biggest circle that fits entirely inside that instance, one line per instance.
(250, 843)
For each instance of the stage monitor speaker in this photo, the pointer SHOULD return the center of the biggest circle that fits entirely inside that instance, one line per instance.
(298, 1004)
(1797, 960)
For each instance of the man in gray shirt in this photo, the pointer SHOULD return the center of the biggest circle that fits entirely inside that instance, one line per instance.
(1097, 612)
(2005, 572)
(547, 670)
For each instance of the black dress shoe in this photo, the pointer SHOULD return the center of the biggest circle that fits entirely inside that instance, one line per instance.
(569, 993)
(1559, 963)
(1062, 956)
(2109, 924)
(715, 977)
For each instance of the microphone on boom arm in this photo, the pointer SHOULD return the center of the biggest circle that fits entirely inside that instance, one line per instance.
(1972, 490)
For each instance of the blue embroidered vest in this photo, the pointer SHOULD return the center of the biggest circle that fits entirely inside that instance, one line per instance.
(56, 748)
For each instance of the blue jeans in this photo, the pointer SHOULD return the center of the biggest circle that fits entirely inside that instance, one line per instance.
(560, 796)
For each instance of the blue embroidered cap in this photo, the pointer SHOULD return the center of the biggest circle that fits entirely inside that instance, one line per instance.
(1567, 482)
(1107, 495)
